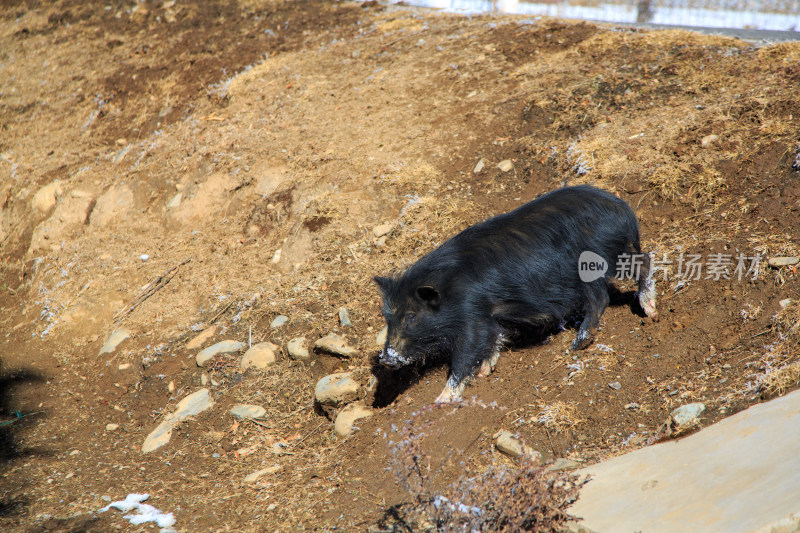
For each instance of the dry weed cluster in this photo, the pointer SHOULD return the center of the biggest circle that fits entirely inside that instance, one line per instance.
(525, 496)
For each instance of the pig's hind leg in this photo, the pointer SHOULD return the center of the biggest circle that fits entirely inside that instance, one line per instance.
(488, 365)
(647, 288)
(596, 302)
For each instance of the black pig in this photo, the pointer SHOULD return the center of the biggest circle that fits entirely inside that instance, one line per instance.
(513, 272)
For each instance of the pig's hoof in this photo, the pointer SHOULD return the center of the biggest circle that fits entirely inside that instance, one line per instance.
(446, 397)
(451, 392)
(486, 369)
(583, 340)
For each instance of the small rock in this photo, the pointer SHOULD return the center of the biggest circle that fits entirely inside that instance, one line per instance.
(171, 387)
(479, 166)
(336, 389)
(708, 140)
(686, 414)
(144, 257)
(175, 201)
(616, 385)
(344, 317)
(201, 338)
(259, 356)
(505, 165)
(347, 417)
(112, 205)
(298, 349)
(380, 340)
(252, 478)
(114, 340)
(112, 427)
(192, 405)
(562, 464)
(785, 303)
(632, 406)
(279, 321)
(509, 444)
(777, 262)
(382, 229)
(221, 347)
(241, 410)
(335, 344)
(46, 197)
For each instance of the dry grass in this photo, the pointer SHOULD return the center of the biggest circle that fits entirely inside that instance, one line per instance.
(558, 416)
(780, 380)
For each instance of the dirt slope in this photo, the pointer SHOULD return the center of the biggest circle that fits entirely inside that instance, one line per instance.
(289, 131)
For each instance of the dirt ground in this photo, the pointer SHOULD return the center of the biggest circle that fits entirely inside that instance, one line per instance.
(292, 129)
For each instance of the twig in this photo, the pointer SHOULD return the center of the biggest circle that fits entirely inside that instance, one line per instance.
(287, 415)
(552, 448)
(307, 435)
(149, 290)
(228, 306)
(558, 364)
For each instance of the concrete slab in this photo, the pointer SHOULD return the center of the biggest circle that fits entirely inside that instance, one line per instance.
(739, 475)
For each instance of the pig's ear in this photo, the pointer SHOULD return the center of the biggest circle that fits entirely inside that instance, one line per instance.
(429, 295)
(383, 283)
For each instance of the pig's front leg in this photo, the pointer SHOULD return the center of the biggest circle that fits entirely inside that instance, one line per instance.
(477, 347)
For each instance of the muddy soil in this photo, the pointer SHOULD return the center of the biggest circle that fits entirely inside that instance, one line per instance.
(246, 151)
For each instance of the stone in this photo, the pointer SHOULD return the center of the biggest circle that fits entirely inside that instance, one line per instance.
(511, 445)
(686, 414)
(335, 344)
(506, 165)
(68, 220)
(259, 356)
(380, 340)
(175, 201)
(479, 166)
(738, 476)
(111, 205)
(563, 464)
(112, 427)
(215, 349)
(114, 340)
(252, 478)
(785, 303)
(298, 349)
(708, 140)
(45, 198)
(616, 385)
(346, 418)
(344, 317)
(336, 389)
(199, 340)
(194, 404)
(777, 262)
(278, 321)
(382, 229)
(241, 410)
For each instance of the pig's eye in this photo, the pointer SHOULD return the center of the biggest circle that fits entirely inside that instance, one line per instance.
(410, 319)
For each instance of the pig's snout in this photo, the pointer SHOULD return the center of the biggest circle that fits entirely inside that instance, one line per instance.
(391, 358)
